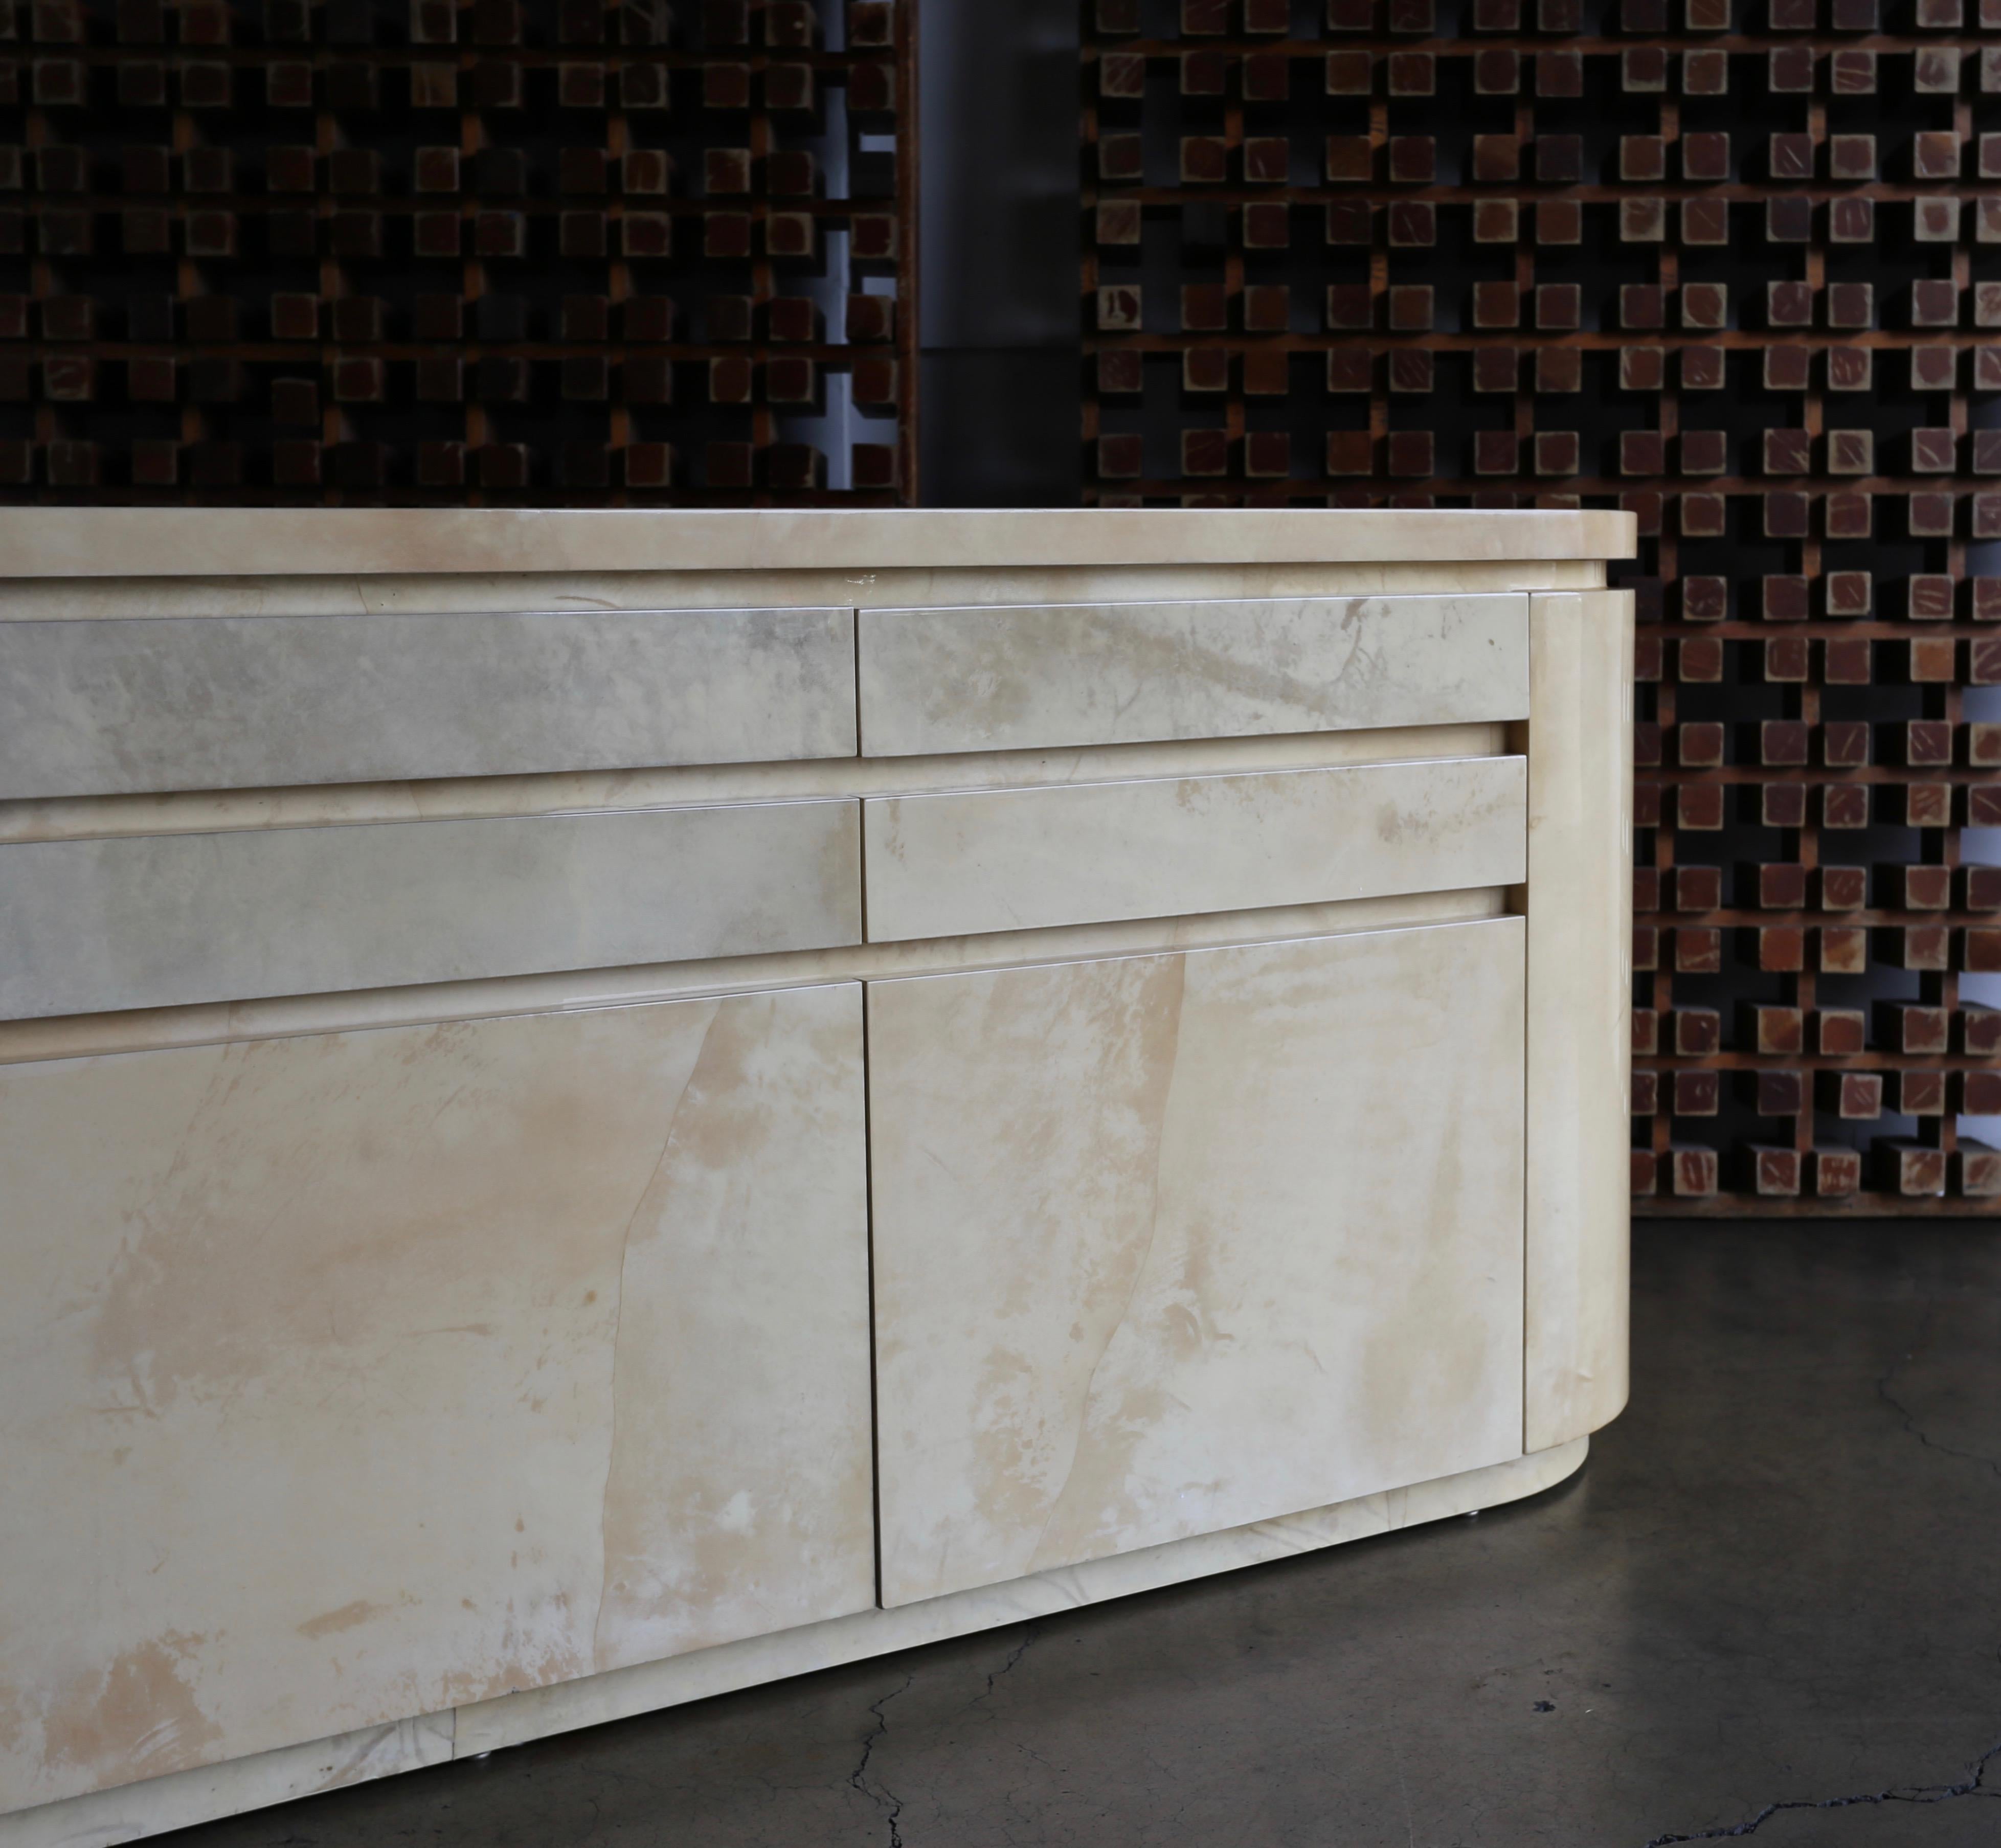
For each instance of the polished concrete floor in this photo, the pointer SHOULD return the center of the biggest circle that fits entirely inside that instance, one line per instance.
(1770, 1604)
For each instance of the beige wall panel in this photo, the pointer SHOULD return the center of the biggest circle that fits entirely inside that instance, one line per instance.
(149, 922)
(1165, 1244)
(1579, 996)
(215, 702)
(1021, 678)
(939, 866)
(347, 1377)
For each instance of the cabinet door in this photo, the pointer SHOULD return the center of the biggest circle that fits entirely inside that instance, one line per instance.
(354, 1376)
(1165, 1245)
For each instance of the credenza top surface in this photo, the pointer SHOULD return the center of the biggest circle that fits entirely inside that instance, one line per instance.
(86, 542)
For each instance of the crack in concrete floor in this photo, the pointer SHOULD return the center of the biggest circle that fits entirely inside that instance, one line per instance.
(1974, 1786)
(880, 1795)
(1919, 1342)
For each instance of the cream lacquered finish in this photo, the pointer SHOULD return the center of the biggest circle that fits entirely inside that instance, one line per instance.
(597, 1107)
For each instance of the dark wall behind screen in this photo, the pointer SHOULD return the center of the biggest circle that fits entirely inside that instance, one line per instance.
(998, 256)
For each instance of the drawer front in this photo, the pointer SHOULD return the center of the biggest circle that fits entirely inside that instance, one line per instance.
(1030, 678)
(87, 926)
(1266, 1254)
(119, 707)
(352, 1374)
(1021, 859)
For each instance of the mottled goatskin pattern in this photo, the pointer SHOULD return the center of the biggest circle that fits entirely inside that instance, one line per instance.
(369, 1366)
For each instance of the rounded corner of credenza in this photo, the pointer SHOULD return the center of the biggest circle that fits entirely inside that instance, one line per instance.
(1539, 1470)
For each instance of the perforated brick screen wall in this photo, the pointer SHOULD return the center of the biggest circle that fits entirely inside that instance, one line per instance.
(514, 251)
(1733, 264)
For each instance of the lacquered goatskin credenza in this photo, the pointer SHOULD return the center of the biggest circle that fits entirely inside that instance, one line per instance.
(596, 1107)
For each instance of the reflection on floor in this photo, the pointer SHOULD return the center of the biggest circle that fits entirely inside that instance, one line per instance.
(1777, 1582)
